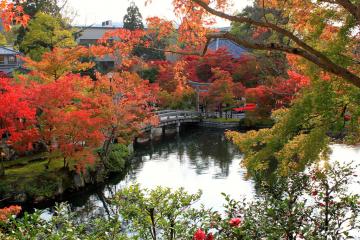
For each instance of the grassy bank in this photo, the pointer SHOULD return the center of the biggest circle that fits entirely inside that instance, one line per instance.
(223, 120)
(29, 179)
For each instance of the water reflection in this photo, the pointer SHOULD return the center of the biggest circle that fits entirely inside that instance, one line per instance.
(195, 159)
(203, 149)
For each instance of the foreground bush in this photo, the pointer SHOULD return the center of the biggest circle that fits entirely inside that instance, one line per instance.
(312, 205)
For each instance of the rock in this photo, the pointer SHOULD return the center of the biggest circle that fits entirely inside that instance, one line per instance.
(39, 199)
(78, 181)
(20, 197)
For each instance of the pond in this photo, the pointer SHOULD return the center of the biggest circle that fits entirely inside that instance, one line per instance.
(197, 158)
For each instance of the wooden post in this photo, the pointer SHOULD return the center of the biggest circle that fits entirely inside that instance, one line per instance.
(178, 126)
(151, 134)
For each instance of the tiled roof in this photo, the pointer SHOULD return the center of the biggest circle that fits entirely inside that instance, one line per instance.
(234, 49)
(8, 51)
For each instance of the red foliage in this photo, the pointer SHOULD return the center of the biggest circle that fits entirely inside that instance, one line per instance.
(347, 117)
(199, 68)
(5, 213)
(279, 94)
(17, 117)
(126, 103)
(285, 89)
(221, 90)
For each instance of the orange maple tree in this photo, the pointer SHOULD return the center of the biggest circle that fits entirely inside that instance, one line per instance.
(12, 14)
(58, 63)
(304, 18)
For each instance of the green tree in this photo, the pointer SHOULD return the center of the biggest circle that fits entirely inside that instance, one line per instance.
(3, 40)
(133, 19)
(32, 7)
(44, 33)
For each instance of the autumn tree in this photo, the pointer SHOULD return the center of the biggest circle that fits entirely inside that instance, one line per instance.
(44, 33)
(58, 63)
(11, 15)
(32, 7)
(126, 103)
(316, 47)
(17, 120)
(270, 63)
(221, 90)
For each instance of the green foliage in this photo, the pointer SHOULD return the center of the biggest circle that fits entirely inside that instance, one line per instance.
(133, 19)
(302, 133)
(117, 157)
(34, 179)
(159, 213)
(62, 225)
(271, 64)
(315, 205)
(254, 122)
(3, 40)
(149, 74)
(44, 33)
(173, 101)
(31, 8)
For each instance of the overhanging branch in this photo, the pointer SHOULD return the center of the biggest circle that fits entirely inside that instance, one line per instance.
(303, 49)
(326, 65)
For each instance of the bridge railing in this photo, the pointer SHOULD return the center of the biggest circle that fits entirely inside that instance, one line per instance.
(177, 115)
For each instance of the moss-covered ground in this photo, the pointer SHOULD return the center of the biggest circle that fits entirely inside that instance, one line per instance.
(29, 175)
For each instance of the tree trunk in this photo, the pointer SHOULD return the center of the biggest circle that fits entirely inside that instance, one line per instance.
(106, 147)
(2, 168)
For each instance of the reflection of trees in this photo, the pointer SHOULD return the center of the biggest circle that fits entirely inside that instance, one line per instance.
(203, 147)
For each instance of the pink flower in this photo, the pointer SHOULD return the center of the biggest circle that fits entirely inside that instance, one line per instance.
(234, 222)
(200, 235)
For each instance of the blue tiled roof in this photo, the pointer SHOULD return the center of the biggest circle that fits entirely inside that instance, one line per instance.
(234, 49)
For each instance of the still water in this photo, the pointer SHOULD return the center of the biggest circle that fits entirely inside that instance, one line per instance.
(197, 158)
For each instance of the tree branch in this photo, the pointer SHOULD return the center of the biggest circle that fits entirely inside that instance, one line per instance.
(276, 28)
(326, 65)
(349, 6)
(305, 50)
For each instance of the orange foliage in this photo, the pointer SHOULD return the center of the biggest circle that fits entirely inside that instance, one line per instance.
(126, 103)
(7, 212)
(159, 27)
(221, 90)
(10, 14)
(59, 62)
